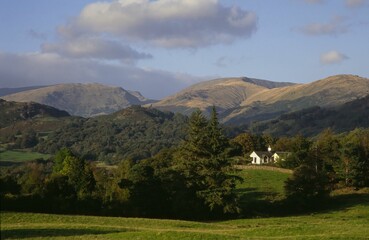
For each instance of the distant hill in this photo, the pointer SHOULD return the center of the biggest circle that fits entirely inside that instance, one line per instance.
(12, 112)
(225, 94)
(17, 118)
(7, 91)
(82, 99)
(313, 120)
(244, 100)
(328, 92)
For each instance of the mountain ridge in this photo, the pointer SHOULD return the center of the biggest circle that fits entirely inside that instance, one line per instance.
(84, 100)
(239, 101)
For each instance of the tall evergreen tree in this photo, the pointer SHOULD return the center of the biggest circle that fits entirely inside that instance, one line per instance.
(205, 166)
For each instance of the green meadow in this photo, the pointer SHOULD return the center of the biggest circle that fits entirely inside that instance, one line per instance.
(19, 156)
(346, 217)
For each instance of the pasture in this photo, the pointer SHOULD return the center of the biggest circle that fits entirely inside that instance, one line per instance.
(346, 217)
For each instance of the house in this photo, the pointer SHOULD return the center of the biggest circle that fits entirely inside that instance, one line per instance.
(265, 157)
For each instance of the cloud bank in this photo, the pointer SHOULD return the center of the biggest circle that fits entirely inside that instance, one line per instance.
(164, 23)
(98, 45)
(19, 70)
(332, 57)
(94, 48)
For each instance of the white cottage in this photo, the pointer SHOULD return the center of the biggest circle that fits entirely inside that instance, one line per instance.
(263, 157)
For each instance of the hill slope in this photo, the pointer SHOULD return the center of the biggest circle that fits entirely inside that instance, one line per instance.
(8, 91)
(12, 112)
(328, 92)
(311, 121)
(134, 132)
(225, 94)
(82, 99)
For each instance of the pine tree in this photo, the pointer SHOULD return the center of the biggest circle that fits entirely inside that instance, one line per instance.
(205, 165)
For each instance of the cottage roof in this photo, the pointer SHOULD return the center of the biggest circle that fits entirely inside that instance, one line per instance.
(264, 153)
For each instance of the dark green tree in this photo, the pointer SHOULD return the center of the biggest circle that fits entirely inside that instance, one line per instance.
(354, 164)
(204, 165)
(300, 148)
(307, 184)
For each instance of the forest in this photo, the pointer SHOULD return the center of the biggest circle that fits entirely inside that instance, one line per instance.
(194, 179)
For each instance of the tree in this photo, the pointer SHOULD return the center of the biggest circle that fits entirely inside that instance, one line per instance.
(300, 148)
(204, 165)
(246, 142)
(307, 184)
(354, 162)
(29, 139)
(79, 173)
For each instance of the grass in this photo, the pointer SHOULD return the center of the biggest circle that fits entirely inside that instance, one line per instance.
(350, 222)
(259, 190)
(347, 217)
(18, 156)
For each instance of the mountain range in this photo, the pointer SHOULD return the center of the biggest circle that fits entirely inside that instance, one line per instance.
(244, 100)
(86, 100)
(239, 101)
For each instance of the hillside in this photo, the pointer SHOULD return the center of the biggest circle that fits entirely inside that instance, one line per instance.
(8, 91)
(12, 112)
(82, 99)
(328, 92)
(17, 118)
(134, 132)
(244, 100)
(311, 121)
(225, 94)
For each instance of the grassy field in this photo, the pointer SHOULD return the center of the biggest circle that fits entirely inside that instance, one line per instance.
(346, 218)
(18, 156)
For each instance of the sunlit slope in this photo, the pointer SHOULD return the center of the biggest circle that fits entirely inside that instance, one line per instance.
(225, 94)
(328, 92)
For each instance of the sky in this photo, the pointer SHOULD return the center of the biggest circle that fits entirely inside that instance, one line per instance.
(159, 47)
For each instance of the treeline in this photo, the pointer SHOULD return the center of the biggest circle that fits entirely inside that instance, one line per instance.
(194, 180)
(345, 156)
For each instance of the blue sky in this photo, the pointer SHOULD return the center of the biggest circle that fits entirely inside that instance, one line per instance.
(160, 47)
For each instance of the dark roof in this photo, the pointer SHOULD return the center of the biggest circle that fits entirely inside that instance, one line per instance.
(264, 153)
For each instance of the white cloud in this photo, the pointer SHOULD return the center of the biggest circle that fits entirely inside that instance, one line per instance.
(164, 23)
(334, 27)
(95, 48)
(332, 57)
(19, 70)
(355, 3)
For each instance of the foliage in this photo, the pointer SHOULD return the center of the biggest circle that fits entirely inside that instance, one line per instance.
(313, 120)
(133, 133)
(204, 165)
(307, 184)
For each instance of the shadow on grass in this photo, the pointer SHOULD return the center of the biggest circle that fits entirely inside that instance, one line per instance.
(50, 232)
(255, 203)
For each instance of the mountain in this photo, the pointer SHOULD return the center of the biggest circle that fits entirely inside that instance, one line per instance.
(311, 121)
(225, 94)
(82, 99)
(7, 91)
(328, 92)
(244, 100)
